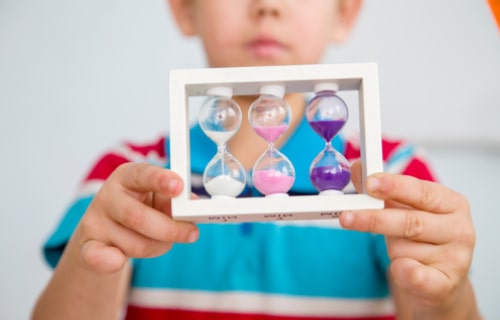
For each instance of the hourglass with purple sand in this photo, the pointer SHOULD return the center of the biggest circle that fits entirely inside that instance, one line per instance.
(269, 116)
(327, 113)
(220, 118)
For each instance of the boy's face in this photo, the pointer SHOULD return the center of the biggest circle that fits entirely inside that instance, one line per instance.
(263, 32)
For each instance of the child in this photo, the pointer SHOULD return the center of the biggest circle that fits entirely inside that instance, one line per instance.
(293, 270)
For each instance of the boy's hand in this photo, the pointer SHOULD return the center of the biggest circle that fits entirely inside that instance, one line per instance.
(130, 216)
(430, 239)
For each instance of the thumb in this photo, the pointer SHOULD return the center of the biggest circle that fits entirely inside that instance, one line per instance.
(102, 258)
(356, 175)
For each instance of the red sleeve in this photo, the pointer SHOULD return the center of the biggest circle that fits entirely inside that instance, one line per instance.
(409, 162)
(127, 152)
(419, 169)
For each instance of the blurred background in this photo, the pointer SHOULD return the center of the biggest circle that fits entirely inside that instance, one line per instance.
(77, 77)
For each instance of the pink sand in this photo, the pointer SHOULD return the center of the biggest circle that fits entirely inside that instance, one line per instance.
(270, 133)
(272, 181)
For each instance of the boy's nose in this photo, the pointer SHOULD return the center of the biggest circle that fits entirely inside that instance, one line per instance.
(267, 8)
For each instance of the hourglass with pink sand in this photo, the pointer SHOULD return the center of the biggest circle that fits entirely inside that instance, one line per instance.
(220, 119)
(269, 116)
(327, 113)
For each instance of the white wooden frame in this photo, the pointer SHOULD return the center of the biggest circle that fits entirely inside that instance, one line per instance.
(247, 81)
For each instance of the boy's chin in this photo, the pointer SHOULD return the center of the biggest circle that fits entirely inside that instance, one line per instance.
(257, 63)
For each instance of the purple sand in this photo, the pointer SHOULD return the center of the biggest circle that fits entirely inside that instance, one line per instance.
(327, 128)
(329, 178)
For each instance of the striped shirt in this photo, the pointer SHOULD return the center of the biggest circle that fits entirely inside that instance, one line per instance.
(272, 270)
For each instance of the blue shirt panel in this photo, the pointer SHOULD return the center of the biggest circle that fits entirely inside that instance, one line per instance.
(271, 257)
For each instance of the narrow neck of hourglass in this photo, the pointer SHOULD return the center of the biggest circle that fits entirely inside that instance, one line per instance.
(328, 145)
(221, 148)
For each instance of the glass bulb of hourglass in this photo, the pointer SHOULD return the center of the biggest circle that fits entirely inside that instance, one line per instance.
(273, 173)
(330, 172)
(269, 116)
(220, 119)
(327, 113)
(224, 176)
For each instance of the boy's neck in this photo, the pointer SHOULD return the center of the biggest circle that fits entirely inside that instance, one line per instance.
(246, 145)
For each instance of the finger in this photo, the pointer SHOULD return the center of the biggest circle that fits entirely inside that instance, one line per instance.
(388, 203)
(134, 214)
(101, 257)
(356, 175)
(163, 203)
(121, 243)
(143, 177)
(194, 196)
(419, 194)
(423, 281)
(402, 223)
(134, 244)
(452, 259)
(425, 253)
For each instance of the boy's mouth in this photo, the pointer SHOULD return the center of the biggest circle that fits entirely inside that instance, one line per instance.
(265, 48)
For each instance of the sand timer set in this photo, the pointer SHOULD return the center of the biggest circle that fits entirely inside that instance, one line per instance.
(269, 116)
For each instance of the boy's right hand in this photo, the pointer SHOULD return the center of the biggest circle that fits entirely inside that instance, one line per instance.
(130, 217)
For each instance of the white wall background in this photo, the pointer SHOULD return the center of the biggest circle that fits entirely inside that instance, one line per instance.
(78, 76)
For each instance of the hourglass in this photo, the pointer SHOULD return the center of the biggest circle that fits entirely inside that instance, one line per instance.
(220, 119)
(269, 116)
(327, 113)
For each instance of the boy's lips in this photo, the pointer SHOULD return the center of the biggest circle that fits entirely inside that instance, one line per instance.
(265, 48)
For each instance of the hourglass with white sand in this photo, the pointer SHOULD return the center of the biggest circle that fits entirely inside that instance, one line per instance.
(220, 119)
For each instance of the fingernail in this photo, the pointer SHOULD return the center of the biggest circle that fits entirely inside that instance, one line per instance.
(172, 185)
(193, 236)
(347, 218)
(373, 184)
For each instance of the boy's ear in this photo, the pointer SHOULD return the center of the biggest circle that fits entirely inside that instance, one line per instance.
(347, 14)
(182, 10)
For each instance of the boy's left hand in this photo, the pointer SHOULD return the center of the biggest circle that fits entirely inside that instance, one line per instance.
(430, 239)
